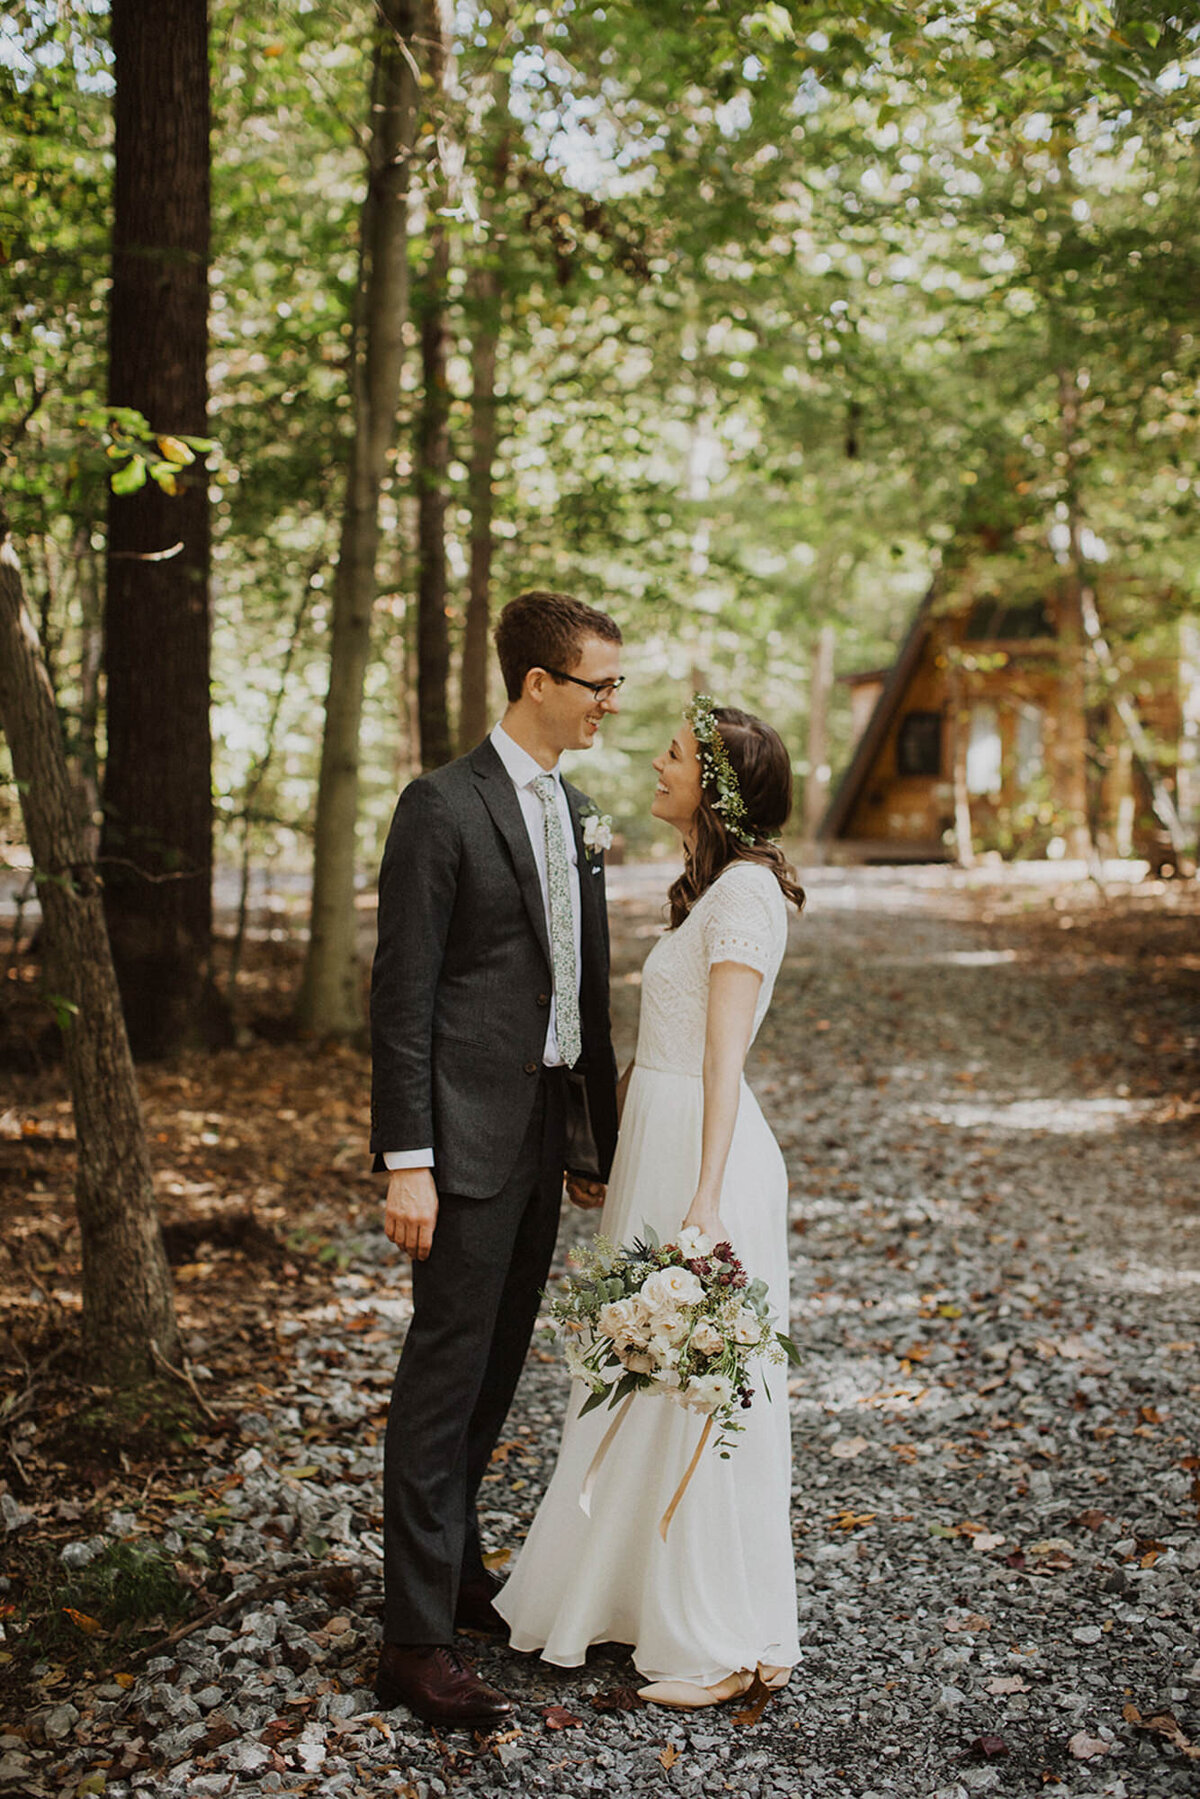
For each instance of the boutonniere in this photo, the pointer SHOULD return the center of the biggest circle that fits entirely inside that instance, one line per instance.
(597, 833)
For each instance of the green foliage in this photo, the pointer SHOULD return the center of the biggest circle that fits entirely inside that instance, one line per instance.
(788, 298)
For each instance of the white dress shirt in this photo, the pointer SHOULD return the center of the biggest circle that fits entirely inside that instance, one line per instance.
(522, 770)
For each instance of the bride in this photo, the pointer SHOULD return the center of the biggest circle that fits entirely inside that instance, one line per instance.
(715, 1603)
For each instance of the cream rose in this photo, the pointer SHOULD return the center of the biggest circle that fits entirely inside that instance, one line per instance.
(707, 1339)
(669, 1289)
(747, 1325)
(708, 1392)
(621, 1318)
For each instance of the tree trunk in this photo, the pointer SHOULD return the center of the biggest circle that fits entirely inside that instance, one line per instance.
(1070, 722)
(816, 787)
(433, 442)
(128, 1308)
(158, 776)
(485, 300)
(960, 737)
(331, 1000)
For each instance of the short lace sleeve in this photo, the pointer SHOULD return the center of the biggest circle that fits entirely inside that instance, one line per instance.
(745, 919)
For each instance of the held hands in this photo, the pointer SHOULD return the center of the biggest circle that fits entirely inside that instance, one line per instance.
(412, 1209)
(587, 1194)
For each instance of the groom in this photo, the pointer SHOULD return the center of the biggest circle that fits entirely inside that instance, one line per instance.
(493, 1074)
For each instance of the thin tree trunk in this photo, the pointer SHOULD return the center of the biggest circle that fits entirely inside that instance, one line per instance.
(433, 441)
(816, 787)
(960, 737)
(91, 655)
(1071, 729)
(158, 776)
(1135, 731)
(331, 1000)
(485, 300)
(128, 1308)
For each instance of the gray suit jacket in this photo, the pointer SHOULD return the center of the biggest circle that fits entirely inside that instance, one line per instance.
(461, 985)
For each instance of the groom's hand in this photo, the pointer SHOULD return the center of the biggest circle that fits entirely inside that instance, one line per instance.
(412, 1209)
(587, 1195)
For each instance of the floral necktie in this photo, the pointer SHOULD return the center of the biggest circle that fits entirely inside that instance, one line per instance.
(562, 924)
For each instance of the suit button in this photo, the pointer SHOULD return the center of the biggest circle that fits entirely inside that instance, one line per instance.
(543, 999)
(532, 1067)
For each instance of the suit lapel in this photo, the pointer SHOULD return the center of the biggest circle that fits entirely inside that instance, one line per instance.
(590, 882)
(500, 797)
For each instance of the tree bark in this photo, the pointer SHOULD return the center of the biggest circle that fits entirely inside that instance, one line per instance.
(158, 776)
(433, 439)
(485, 300)
(331, 999)
(127, 1300)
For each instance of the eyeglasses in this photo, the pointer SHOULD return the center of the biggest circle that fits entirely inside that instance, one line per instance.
(603, 690)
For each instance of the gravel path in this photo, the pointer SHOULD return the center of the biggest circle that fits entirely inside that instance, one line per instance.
(996, 1220)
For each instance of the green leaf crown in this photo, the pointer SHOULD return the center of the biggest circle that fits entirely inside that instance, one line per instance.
(716, 770)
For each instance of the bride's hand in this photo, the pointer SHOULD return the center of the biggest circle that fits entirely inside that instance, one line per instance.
(706, 1218)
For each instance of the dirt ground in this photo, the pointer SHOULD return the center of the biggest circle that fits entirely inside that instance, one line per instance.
(988, 1094)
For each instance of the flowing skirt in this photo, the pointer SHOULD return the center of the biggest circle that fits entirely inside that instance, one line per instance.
(720, 1594)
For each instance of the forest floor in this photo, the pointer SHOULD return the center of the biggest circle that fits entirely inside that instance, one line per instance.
(988, 1095)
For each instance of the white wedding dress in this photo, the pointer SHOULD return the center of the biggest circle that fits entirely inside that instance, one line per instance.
(719, 1595)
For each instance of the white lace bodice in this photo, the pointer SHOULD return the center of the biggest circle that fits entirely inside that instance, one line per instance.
(742, 917)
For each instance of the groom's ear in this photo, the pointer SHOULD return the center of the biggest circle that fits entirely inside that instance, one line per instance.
(534, 685)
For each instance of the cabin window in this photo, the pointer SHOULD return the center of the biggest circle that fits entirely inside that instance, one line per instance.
(993, 620)
(1028, 754)
(919, 744)
(983, 751)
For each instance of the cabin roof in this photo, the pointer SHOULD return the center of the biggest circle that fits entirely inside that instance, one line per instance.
(896, 680)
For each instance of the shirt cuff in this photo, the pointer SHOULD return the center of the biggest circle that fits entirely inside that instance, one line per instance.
(408, 1158)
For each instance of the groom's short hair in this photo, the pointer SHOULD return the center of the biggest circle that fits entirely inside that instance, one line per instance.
(546, 630)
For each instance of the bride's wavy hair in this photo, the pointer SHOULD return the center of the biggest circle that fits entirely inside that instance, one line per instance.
(763, 769)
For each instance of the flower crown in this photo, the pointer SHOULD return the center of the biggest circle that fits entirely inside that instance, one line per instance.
(716, 770)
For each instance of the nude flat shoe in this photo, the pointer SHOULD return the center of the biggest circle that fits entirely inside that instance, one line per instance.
(774, 1678)
(685, 1697)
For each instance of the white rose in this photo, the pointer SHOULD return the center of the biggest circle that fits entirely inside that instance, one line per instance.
(637, 1361)
(663, 1352)
(597, 831)
(667, 1289)
(707, 1339)
(693, 1242)
(747, 1326)
(620, 1318)
(708, 1392)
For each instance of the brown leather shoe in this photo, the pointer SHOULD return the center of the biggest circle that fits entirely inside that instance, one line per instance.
(436, 1685)
(476, 1609)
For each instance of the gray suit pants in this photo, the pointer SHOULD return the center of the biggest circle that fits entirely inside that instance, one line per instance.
(475, 1302)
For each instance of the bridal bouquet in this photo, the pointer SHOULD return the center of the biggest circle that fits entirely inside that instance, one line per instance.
(680, 1319)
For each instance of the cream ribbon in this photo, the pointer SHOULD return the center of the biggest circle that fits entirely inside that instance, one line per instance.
(606, 1443)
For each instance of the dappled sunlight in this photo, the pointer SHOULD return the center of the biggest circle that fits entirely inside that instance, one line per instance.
(1060, 1116)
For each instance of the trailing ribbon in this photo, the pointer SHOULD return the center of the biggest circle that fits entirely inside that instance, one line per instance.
(606, 1443)
(681, 1489)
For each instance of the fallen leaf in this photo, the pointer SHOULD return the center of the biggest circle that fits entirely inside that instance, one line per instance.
(496, 1558)
(985, 1541)
(668, 1756)
(967, 1621)
(1083, 1747)
(125, 1680)
(986, 1749)
(758, 1697)
(1007, 1683)
(846, 1448)
(557, 1717)
(1091, 1519)
(619, 1699)
(1165, 1724)
(91, 1627)
(848, 1520)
